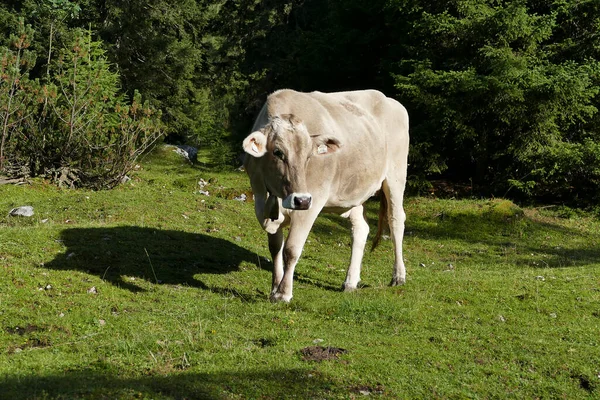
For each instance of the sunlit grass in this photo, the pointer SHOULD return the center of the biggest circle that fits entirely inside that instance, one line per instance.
(154, 290)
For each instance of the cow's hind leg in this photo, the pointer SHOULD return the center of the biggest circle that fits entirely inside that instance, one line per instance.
(360, 232)
(276, 250)
(393, 188)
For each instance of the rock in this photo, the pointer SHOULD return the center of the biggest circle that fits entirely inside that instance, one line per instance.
(24, 211)
(241, 197)
(188, 152)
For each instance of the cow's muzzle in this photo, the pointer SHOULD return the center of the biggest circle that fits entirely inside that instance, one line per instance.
(297, 201)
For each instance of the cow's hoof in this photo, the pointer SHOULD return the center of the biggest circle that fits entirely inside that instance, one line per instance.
(397, 281)
(346, 287)
(280, 298)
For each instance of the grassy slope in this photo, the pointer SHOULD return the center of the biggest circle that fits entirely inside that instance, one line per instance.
(153, 290)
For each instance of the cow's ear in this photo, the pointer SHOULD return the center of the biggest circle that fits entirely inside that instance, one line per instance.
(327, 145)
(255, 144)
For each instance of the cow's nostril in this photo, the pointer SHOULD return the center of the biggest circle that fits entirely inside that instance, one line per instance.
(302, 203)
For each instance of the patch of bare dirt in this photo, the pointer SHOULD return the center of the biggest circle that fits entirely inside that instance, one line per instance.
(320, 353)
(448, 189)
(23, 330)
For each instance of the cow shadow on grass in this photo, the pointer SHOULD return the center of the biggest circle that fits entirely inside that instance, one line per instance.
(98, 382)
(120, 255)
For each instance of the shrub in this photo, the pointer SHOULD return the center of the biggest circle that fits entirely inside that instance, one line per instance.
(75, 127)
(16, 100)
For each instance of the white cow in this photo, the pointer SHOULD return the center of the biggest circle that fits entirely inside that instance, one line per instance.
(313, 152)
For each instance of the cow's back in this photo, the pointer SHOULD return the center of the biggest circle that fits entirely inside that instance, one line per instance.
(386, 134)
(343, 112)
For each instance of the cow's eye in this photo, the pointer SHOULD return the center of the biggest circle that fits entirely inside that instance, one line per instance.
(278, 153)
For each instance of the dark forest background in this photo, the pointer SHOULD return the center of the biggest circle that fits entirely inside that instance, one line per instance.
(503, 95)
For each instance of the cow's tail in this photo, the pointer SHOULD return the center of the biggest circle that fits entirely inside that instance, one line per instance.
(382, 220)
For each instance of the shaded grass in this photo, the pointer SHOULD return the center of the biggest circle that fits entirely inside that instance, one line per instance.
(153, 290)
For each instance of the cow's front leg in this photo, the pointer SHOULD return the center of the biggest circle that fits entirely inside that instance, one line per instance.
(360, 232)
(300, 225)
(276, 249)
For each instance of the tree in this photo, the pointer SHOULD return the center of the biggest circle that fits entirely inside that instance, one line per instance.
(493, 99)
(185, 57)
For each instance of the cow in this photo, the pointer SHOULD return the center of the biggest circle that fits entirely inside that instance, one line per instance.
(327, 152)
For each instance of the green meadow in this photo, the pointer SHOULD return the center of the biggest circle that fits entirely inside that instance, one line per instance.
(155, 290)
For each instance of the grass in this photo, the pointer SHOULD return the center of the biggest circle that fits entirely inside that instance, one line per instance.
(155, 291)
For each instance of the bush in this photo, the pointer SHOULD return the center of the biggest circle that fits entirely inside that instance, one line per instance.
(564, 171)
(16, 94)
(74, 127)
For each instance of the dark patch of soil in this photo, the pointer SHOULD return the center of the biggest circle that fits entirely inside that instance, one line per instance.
(265, 342)
(447, 189)
(32, 343)
(37, 342)
(320, 353)
(20, 330)
(585, 383)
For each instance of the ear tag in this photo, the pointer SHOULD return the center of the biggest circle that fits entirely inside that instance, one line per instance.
(254, 148)
(322, 149)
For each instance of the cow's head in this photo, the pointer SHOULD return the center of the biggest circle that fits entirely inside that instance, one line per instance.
(284, 148)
